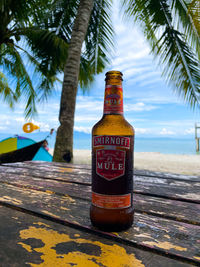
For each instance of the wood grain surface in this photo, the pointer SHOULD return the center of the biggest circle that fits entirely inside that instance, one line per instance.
(166, 222)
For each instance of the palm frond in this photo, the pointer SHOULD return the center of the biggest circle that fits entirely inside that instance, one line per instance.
(86, 74)
(194, 12)
(98, 42)
(181, 66)
(43, 54)
(43, 82)
(188, 21)
(48, 48)
(59, 17)
(6, 91)
(183, 70)
(20, 78)
(137, 10)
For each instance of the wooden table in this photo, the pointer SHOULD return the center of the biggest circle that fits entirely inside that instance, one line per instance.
(44, 219)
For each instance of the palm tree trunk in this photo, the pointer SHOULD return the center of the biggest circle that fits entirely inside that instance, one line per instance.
(63, 151)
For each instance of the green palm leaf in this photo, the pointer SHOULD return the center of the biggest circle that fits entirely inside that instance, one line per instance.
(188, 21)
(47, 47)
(26, 67)
(100, 32)
(194, 12)
(98, 43)
(6, 91)
(180, 63)
(98, 40)
(14, 65)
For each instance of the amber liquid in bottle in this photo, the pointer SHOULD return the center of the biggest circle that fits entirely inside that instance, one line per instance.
(112, 162)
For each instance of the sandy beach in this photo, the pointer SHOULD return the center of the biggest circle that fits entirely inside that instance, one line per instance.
(154, 161)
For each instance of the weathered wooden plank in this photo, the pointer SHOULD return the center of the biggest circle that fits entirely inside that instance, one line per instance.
(55, 166)
(71, 174)
(44, 163)
(174, 176)
(172, 237)
(164, 187)
(185, 190)
(53, 186)
(28, 240)
(184, 211)
(60, 174)
(173, 209)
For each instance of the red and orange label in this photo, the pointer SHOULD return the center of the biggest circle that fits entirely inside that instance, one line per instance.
(111, 201)
(110, 155)
(110, 164)
(113, 100)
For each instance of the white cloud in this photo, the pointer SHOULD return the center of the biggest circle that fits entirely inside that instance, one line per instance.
(189, 131)
(3, 128)
(20, 119)
(129, 59)
(83, 129)
(7, 122)
(142, 130)
(51, 106)
(138, 107)
(153, 81)
(164, 131)
(135, 70)
(159, 99)
(84, 118)
(90, 106)
(179, 124)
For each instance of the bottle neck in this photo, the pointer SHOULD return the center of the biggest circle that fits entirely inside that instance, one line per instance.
(113, 99)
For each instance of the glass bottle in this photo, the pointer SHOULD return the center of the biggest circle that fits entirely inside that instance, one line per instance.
(112, 162)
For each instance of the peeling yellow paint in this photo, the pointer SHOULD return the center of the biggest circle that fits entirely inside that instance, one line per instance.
(165, 245)
(16, 218)
(77, 235)
(111, 255)
(49, 192)
(49, 213)
(181, 228)
(75, 222)
(63, 208)
(25, 246)
(11, 199)
(114, 233)
(65, 169)
(69, 198)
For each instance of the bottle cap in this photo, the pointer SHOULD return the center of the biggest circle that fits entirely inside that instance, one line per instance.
(114, 74)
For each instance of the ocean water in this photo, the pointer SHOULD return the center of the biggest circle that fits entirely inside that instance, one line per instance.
(162, 145)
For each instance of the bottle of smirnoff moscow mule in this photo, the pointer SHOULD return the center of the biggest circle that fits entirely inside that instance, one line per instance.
(112, 162)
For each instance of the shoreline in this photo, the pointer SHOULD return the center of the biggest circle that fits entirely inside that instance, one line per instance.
(153, 161)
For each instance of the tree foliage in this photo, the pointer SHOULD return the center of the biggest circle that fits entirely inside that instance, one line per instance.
(172, 29)
(23, 73)
(34, 40)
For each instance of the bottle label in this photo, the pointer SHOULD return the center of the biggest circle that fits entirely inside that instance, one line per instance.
(113, 100)
(110, 164)
(111, 201)
(110, 155)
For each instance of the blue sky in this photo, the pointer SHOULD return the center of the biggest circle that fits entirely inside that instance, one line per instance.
(151, 106)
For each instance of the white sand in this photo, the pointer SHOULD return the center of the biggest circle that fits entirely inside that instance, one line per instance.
(153, 161)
